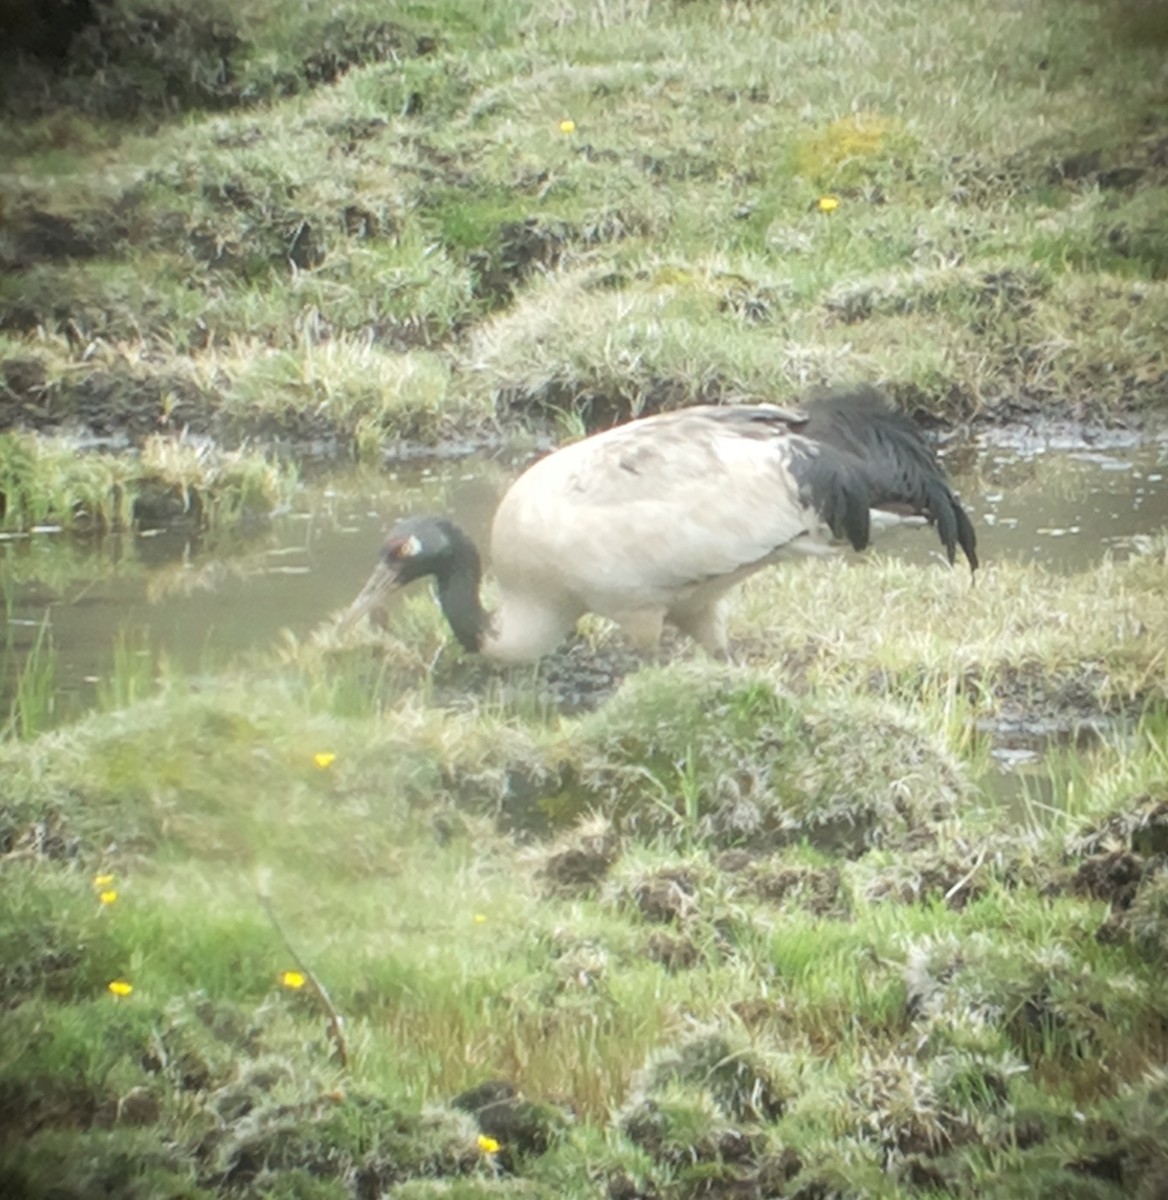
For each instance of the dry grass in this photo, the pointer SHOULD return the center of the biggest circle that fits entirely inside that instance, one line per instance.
(815, 954)
(1018, 623)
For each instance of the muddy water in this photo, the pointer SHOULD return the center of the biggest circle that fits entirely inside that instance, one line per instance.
(201, 607)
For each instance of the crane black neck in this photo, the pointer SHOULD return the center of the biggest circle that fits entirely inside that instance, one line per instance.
(458, 583)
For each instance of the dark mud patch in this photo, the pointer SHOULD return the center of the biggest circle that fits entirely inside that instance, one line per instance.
(34, 235)
(522, 1128)
(343, 46)
(44, 963)
(983, 296)
(696, 754)
(675, 952)
(578, 861)
(665, 1133)
(253, 233)
(28, 1106)
(120, 64)
(599, 408)
(1125, 863)
(81, 316)
(1056, 1015)
(1129, 1148)
(688, 919)
(247, 227)
(521, 247)
(291, 429)
(37, 954)
(1021, 389)
(115, 405)
(958, 871)
(934, 878)
(700, 1107)
(487, 228)
(1139, 22)
(328, 1137)
(916, 1116)
(44, 29)
(1017, 393)
(1141, 828)
(280, 239)
(120, 406)
(1094, 160)
(111, 62)
(1115, 165)
(45, 837)
(1036, 709)
(515, 250)
(577, 678)
(667, 897)
(817, 890)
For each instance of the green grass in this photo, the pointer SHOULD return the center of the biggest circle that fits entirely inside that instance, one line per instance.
(996, 174)
(760, 928)
(666, 994)
(34, 694)
(47, 480)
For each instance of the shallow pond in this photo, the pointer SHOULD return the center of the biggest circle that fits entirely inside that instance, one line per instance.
(1062, 505)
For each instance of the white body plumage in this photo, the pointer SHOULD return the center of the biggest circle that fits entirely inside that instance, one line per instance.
(658, 519)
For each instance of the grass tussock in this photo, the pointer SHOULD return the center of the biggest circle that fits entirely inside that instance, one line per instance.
(1074, 644)
(650, 227)
(542, 930)
(47, 481)
(380, 920)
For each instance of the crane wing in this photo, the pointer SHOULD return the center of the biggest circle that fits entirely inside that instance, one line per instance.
(678, 500)
(897, 465)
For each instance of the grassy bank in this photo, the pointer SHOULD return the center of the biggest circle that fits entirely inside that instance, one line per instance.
(756, 930)
(371, 918)
(586, 209)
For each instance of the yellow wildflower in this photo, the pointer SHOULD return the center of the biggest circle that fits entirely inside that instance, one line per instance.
(567, 125)
(108, 897)
(293, 979)
(827, 204)
(488, 1145)
(480, 918)
(102, 881)
(119, 987)
(324, 759)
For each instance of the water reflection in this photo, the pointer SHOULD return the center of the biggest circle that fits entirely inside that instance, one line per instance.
(1065, 508)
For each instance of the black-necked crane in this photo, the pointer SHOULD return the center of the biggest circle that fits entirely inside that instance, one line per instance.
(656, 520)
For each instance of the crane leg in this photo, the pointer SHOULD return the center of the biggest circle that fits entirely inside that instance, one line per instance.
(706, 625)
(642, 627)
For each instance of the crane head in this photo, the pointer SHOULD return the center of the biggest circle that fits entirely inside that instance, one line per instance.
(415, 547)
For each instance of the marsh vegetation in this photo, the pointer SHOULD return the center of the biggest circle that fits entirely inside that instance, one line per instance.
(365, 917)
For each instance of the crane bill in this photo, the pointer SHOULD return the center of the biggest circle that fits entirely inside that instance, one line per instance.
(372, 596)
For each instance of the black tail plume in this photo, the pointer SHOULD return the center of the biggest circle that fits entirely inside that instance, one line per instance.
(892, 457)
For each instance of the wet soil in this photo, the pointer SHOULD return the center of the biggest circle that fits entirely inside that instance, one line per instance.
(128, 402)
(114, 406)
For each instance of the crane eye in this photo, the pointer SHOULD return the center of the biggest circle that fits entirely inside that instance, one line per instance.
(409, 547)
